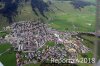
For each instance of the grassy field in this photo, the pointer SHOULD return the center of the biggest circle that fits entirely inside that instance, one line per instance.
(50, 44)
(92, 1)
(4, 47)
(3, 34)
(8, 58)
(73, 19)
(89, 41)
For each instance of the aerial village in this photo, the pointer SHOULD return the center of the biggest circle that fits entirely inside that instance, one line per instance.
(31, 40)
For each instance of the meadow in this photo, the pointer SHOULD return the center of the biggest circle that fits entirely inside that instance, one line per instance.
(8, 58)
(71, 19)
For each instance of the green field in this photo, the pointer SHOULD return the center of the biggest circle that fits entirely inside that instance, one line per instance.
(8, 58)
(50, 44)
(73, 19)
(3, 34)
(4, 47)
(89, 41)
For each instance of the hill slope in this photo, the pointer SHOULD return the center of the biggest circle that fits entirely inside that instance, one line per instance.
(62, 15)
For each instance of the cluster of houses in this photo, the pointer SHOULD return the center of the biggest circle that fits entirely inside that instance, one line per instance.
(2, 40)
(30, 36)
(27, 36)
